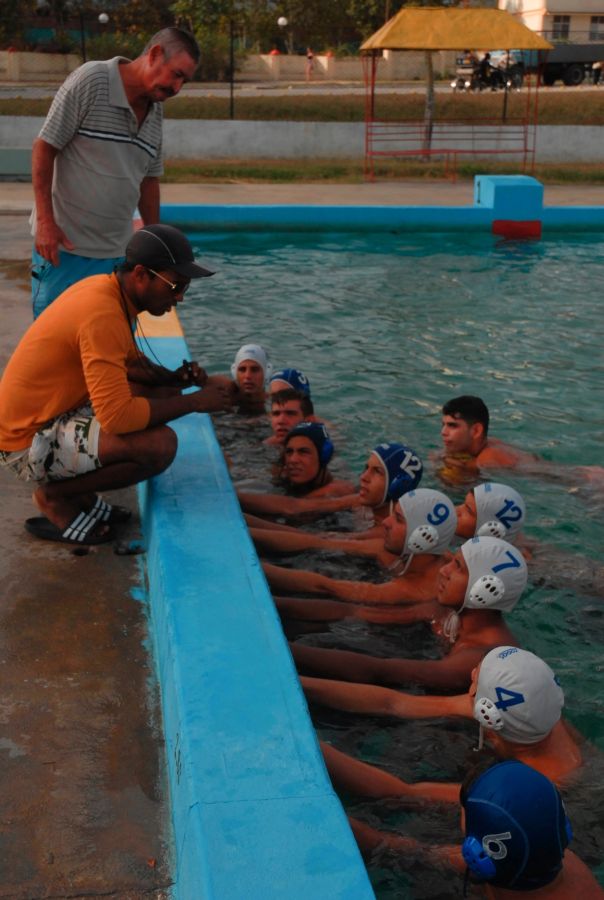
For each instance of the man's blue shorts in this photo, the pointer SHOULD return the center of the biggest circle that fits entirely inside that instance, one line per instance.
(48, 281)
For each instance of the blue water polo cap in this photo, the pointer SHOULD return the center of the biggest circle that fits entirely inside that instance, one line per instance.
(318, 434)
(516, 827)
(403, 469)
(294, 379)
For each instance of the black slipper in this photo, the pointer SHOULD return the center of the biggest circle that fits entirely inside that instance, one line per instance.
(81, 532)
(113, 515)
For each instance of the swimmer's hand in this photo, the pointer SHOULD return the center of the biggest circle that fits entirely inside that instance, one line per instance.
(190, 374)
(213, 398)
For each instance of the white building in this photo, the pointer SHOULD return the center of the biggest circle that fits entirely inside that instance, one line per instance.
(574, 20)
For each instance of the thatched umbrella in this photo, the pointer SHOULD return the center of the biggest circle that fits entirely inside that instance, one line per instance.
(440, 28)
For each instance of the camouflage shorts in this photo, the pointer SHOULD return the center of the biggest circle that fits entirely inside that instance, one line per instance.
(66, 447)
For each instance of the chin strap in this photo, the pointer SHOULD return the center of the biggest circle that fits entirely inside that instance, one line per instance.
(451, 627)
(480, 739)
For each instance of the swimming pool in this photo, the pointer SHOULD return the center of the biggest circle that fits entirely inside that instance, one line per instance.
(387, 327)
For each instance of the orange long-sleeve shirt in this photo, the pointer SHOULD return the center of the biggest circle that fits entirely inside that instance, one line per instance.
(76, 351)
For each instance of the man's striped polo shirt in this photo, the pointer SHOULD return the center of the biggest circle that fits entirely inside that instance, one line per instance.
(103, 157)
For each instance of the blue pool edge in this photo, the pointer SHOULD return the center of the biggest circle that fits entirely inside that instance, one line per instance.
(253, 812)
(507, 205)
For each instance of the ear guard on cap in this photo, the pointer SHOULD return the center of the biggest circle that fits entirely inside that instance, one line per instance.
(477, 859)
(494, 528)
(326, 452)
(487, 714)
(486, 591)
(422, 539)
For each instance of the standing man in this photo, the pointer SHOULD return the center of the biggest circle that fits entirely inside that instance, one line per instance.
(82, 410)
(98, 157)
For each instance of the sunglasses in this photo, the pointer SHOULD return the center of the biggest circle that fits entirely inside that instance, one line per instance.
(177, 287)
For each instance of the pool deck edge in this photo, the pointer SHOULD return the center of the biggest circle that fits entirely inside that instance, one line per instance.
(253, 810)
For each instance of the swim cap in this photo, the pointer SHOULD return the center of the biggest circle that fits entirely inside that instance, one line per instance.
(516, 827)
(497, 574)
(256, 353)
(294, 379)
(431, 520)
(403, 469)
(500, 510)
(318, 434)
(517, 695)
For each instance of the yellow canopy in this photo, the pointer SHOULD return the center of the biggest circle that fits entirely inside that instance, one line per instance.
(438, 28)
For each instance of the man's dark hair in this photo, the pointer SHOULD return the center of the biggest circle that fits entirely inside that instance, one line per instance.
(174, 40)
(281, 397)
(470, 409)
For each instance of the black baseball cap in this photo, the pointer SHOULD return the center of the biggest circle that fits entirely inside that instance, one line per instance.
(164, 247)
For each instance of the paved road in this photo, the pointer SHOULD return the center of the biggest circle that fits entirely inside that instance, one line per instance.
(275, 89)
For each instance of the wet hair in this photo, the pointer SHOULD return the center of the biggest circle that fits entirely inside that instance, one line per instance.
(471, 409)
(174, 40)
(281, 397)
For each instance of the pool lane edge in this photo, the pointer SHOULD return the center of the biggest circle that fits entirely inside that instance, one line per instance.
(254, 814)
(506, 205)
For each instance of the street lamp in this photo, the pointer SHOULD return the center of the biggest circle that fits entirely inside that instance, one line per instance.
(232, 66)
(103, 19)
(283, 23)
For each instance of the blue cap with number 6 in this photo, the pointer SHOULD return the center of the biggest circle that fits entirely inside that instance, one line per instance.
(516, 827)
(497, 574)
(517, 695)
(402, 466)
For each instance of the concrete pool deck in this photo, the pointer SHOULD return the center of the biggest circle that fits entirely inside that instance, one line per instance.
(17, 198)
(82, 803)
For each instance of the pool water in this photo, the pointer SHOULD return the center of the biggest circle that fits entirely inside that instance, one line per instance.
(388, 327)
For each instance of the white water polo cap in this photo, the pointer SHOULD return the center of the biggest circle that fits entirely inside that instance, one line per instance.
(517, 695)
(500, 511)
(431, 521)
(497, 574)
(256, 353)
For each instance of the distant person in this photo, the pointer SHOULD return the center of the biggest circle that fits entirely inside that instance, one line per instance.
(251, 371)
(514, 696)
(289, 379)
(485, 578)
(98, 157)
(467, 445)
(310, 64)
(468, 449)
(516, 838)
(82, 409)
(484, 70)
(597, 72)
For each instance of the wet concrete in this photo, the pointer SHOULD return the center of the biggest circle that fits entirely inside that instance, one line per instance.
(83, 811)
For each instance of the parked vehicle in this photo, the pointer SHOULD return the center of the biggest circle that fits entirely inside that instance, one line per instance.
(569, 63)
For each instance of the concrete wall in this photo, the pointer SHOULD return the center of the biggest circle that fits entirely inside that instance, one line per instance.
(27, 67)
(21, 66)
(223, 139)
(392, 67)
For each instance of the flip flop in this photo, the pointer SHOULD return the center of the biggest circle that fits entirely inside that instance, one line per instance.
(80, 532)
(113, 515)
